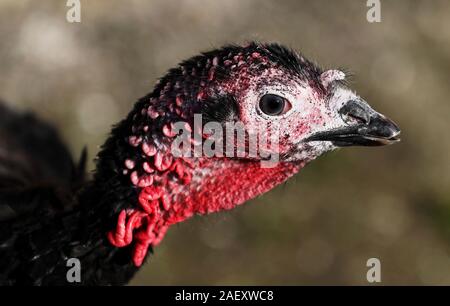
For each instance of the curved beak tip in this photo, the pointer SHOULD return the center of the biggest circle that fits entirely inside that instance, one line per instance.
(384, 131)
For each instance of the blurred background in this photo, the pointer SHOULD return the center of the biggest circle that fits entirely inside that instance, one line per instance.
(321, 227)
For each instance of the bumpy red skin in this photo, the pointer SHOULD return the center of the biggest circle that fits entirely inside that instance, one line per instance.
(174, 189)
(148, 223)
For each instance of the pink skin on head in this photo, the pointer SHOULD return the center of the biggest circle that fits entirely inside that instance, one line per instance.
(174, 189)
(308, 107)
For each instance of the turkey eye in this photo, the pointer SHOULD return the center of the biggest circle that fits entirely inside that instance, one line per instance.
(273, 105)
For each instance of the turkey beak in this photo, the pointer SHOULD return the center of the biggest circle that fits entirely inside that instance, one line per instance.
(364, 127)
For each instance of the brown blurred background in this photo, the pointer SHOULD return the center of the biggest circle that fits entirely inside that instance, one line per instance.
(392, 203)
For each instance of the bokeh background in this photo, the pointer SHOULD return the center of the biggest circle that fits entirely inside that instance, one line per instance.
(392, 203)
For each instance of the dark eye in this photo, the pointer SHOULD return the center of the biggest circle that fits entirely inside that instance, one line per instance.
(274, 105)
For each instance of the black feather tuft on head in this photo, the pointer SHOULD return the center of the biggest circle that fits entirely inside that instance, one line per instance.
(292, 61)
(222, 109)
(277, 54)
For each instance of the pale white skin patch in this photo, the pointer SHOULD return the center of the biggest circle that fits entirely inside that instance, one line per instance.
(310, 113)
(330, 76)
(311, 150)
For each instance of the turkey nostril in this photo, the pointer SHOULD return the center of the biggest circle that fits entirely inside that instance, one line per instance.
(359, 119)
(354, 112)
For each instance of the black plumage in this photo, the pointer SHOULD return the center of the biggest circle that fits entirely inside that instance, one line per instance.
(48, 213)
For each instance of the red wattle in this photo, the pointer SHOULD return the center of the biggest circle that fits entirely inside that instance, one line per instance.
(147, 224)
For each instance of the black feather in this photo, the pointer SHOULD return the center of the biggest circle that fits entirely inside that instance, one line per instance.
(221, 109)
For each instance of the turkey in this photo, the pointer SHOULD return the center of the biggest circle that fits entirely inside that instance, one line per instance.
(144, 183)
